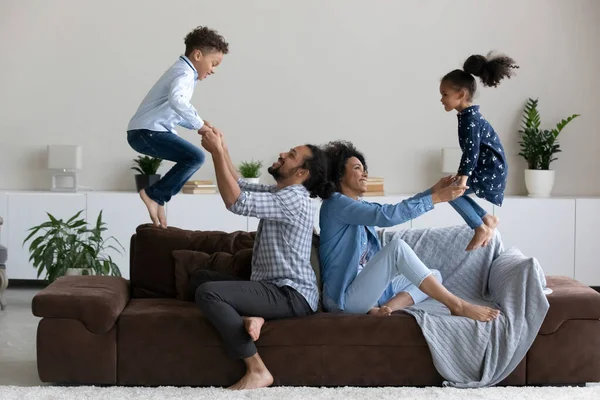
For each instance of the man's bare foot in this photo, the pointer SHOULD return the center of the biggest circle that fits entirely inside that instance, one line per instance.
(162, 216)
(254, 380)
(382, 311)
(478, 313)
(253, 326)
(482, 233)
(152, 207)
(491, 222)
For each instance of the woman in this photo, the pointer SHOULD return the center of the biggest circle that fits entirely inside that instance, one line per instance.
(358, 275)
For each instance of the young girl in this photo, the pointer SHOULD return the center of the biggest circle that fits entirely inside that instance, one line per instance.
(483, 167)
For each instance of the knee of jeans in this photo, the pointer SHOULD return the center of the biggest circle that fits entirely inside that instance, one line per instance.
(206, 293)
(197, 158)
(438, 275)
(400, 245)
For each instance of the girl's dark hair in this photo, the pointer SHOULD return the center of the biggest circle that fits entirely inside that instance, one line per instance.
(205, 39)
(490, 70)
(338, 152)
(317, 183)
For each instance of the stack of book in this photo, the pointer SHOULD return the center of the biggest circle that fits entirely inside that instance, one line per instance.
(374, 187)
(199, 187)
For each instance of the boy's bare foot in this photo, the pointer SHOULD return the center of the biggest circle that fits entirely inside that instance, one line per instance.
(482, 233)
(382, 311)
(253, 326)
(478, 313)
(152, 207)
(254, 380)
(491, 222)
(162, 216)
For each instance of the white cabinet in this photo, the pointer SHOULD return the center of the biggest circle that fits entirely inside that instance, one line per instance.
(587, 248)
(26, 210)
(541, 228)
(203, 212)
(4, 215)
(122, 212)
(443, 215)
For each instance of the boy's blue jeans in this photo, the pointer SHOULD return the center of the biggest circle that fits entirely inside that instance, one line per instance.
(168, 146)
(469, 210)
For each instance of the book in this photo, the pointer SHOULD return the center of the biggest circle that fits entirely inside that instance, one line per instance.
(199, 191)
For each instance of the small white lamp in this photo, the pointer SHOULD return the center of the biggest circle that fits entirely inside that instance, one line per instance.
(64, 161)
(451, 159)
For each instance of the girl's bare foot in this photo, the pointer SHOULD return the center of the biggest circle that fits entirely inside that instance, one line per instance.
(253, 326)
(482, 233)
(491, 222)
(254, 380)
(383, 311)
(162, 216)
(152, 207)
(478, 313)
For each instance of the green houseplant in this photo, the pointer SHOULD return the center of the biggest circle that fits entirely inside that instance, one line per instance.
(250, 170)
(147, 167)
(538, 148)
(72, 248)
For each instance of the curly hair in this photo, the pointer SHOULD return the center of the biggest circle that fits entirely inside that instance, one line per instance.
(490, 70)
(338, 152)
(205, 39)
(317, 183)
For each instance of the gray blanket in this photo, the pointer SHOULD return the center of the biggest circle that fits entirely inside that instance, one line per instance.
(467, 353)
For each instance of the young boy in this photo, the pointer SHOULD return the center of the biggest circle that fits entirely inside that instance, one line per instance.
(151, 131)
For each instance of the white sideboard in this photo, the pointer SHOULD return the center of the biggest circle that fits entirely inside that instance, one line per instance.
(562, 233)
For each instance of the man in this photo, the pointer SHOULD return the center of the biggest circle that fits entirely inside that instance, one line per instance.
(283, 283)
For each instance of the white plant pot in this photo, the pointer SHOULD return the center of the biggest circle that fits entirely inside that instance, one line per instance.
(78, 271)
(252, 180)
(539, 182)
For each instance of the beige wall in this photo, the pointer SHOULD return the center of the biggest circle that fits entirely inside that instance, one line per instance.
(73, 72)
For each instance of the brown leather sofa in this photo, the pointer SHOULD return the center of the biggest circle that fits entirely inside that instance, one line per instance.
(107, 330)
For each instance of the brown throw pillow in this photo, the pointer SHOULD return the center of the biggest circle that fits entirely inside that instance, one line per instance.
(189, 262)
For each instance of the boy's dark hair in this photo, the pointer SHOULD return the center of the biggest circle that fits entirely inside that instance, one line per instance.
(491, 70)
(205, 40)
(338, 152)
(317, 183)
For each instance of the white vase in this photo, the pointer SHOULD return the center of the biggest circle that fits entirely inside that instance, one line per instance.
(539, 182)
(78, 271)
(252, 180)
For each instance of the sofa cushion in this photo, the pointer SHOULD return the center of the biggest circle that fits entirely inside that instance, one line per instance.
(188, 263)
(570, 300)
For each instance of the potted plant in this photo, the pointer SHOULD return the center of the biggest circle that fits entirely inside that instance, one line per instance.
(538, 148)
(250, 171)
(147, 167)
(72, 248)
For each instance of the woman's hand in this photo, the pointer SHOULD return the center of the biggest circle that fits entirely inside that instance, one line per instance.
(444, 182)
(448, 193)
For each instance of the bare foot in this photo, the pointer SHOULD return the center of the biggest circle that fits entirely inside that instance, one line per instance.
(162, 216)
(253, 326)
(482, 233)
(152, 207)
(478, 313)
(491, 222)
(254, 380)
(383, 311)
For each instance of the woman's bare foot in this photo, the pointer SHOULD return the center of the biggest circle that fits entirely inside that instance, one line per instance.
(162, 216)
(383, 311)
(253, 326)
(491, 222)
(254, 380)
(482, 233)
(478, 313)
(152, 207)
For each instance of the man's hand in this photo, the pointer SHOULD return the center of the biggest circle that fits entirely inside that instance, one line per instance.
(220, 134)
(205, 128)
(442, 183)
(212, 142)
(448, 193)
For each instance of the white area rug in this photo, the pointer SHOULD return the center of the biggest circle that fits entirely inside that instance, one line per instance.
(295, 393)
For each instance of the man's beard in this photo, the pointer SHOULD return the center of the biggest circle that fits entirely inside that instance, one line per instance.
(274, 171)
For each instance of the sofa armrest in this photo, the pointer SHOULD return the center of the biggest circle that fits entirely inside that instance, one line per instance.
(96, 301)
